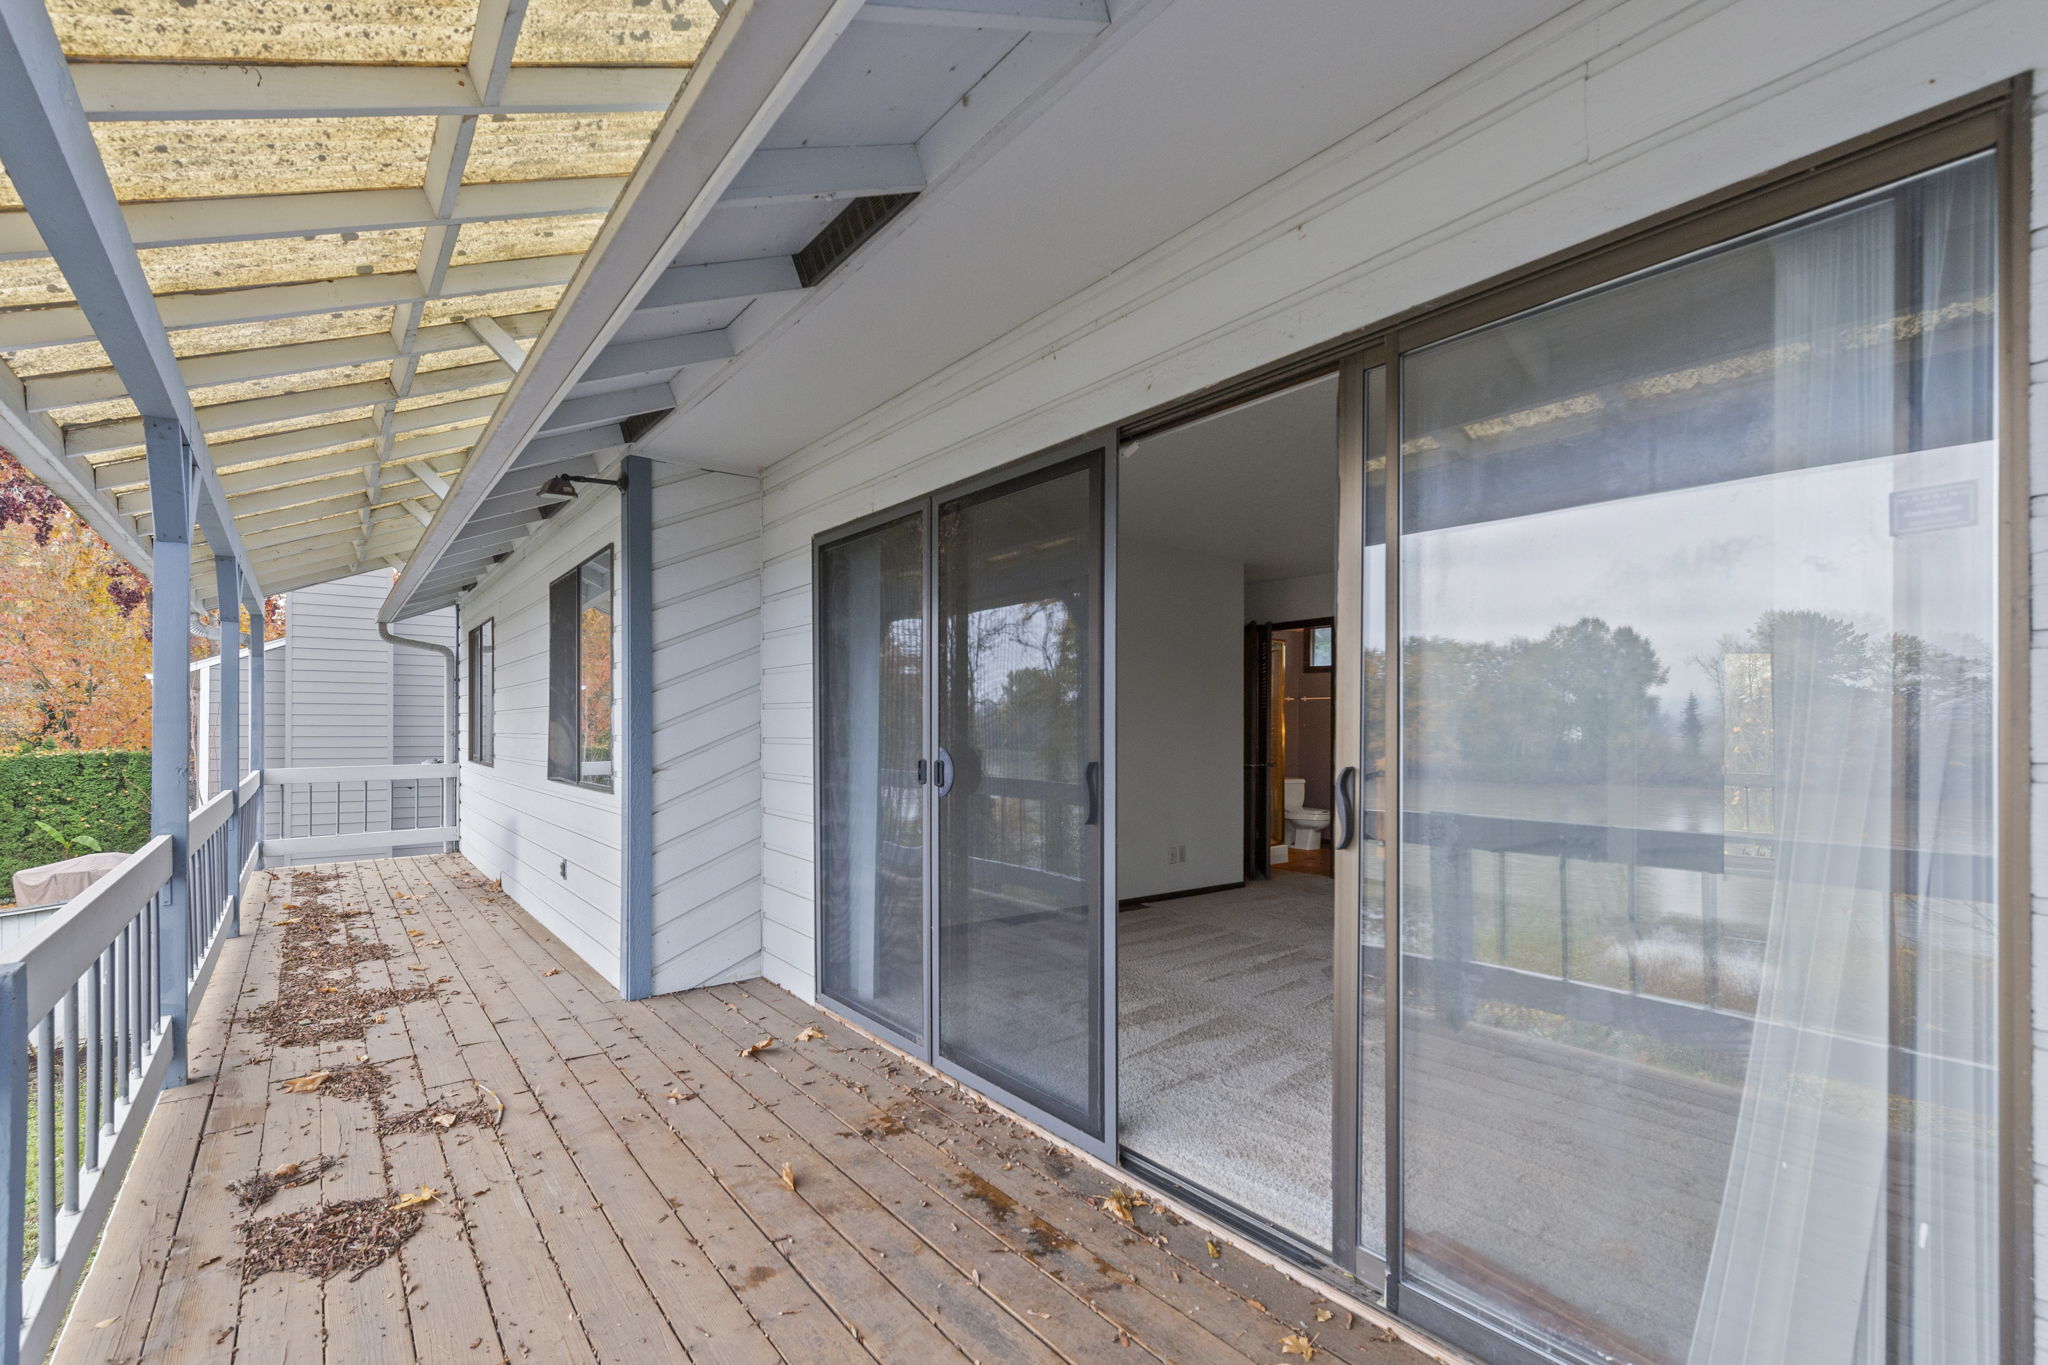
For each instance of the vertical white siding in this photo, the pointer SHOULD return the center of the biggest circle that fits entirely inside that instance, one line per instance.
(555, 846)
(707, 728)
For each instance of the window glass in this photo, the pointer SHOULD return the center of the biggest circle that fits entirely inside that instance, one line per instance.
(482, 694)
(1699, 924)
(580, 686)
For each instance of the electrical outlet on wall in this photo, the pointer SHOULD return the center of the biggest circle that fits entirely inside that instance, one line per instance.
(1180, 853)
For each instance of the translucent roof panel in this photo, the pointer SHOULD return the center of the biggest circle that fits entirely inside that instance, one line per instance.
(386, 32)
(557, 146)
(241, 265)
(538, 299)
(614, 32)
(205, 159)
(333, 267)
(511, 239)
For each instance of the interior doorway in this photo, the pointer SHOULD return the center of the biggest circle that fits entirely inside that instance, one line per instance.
(1227, 549)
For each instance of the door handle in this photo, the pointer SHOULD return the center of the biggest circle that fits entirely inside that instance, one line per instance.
(1347, 806)
(942, 773)
(1092, 777)
(920, 772)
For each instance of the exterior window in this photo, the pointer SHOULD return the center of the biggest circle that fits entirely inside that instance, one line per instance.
(580, 674)
(483, 699)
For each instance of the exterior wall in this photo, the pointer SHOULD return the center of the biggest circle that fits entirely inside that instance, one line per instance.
(554, 846)
(2037, 431)
(707, 728)
(1606, 115)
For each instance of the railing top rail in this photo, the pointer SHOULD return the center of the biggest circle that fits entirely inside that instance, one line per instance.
(57, 956)
(358, 772)
(210, 817)
(250, 785)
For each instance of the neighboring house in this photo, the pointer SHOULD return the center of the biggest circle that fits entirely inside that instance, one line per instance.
(983, 468)
(339, 696)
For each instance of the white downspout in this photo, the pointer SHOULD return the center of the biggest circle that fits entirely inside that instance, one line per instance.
(452, 783)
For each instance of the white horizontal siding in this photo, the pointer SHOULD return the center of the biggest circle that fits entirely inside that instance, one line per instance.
(553, 845)
(707, 745)
(1612, 112)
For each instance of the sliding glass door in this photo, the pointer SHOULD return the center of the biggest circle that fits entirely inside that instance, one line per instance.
(871, 774)
(963, 786)
(1696, 587)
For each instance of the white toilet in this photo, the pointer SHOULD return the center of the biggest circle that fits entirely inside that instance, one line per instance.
(1305, 824)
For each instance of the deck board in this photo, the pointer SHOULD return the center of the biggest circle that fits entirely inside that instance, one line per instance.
(631, 1205)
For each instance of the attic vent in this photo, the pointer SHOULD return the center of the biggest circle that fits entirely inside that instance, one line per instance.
(854, 224)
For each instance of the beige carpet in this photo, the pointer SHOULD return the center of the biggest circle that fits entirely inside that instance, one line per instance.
(1224, 1030)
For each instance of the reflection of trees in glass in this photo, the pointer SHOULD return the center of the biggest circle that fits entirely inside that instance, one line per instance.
(595, 655)
(1028, 665)
(1579, 704)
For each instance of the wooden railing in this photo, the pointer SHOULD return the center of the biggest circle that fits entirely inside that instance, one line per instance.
(91, 1014)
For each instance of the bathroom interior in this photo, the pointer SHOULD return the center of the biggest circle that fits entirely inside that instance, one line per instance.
(1226, 675)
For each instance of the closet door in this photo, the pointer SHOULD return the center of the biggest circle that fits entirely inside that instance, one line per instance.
(872, 776)
(1025, 961)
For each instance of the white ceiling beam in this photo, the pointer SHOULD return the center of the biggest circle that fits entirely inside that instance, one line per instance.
(426, 474)
(721, 282)
(1014, 16)
(179, 90)
(270, 362)
(289, 446)
(782, 175)
(499, 340)
(660, 357)
(600, 409)
(420, 511)
(186, 222)
(65, 324)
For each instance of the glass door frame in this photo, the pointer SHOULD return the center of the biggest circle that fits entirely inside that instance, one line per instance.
(1101, 445)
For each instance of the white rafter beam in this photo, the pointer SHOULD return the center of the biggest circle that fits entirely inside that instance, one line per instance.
(181, 90)
(1015, 16)
(782, 175)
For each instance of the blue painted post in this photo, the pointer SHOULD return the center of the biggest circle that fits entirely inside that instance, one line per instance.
(636, 689)
(13, 1151)
(252, 831)
(227, 580)
(170, 715)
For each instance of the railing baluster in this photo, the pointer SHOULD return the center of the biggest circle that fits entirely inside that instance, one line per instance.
(46, 1140)
(95, 999)
(124, 991)
(73, 1063)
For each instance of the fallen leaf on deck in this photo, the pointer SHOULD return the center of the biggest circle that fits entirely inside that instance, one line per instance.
(379, 1019)
(289, 1168)
(415, 966)
(426, 1194)
(752, 1048)
(299, 1085)
(416, 933)
(1215, 1252)
(284, 921)
(788, 1176)
(810, 1034)
(330, 990)
(442, 1120)
(1324, 1315)
(1124, 1204)
(552, 971)
(1297, 1344)
(104, 1322)
(401, 895)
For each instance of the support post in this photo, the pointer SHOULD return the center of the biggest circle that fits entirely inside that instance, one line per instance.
(252, 829)
(636, 687)
(170, 733)
(14, 1150)
(227, 582)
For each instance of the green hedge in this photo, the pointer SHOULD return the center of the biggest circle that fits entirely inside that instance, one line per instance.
(104, 793)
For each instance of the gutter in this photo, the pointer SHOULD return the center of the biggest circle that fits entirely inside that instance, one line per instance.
(449, 754)
(756, 64)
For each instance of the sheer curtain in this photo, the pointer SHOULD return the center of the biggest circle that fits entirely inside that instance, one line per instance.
(1801, 1220)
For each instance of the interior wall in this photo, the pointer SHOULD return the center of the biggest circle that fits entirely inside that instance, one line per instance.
(1180, 721)
(1291, 599)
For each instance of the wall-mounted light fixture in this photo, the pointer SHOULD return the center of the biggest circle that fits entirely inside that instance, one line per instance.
(564, 485)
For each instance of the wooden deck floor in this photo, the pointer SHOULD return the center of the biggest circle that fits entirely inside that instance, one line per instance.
(630, 1203)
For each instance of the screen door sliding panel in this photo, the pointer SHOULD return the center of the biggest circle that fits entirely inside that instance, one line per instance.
(1024, 965)
(872, 767)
